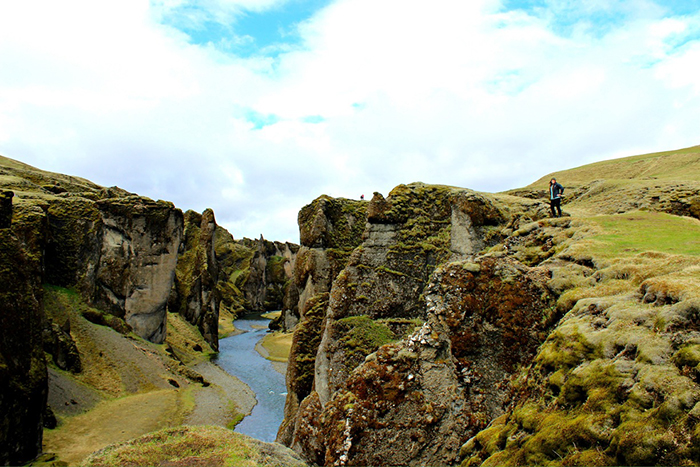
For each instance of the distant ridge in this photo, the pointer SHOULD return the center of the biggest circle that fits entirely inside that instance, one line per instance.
(679, 164)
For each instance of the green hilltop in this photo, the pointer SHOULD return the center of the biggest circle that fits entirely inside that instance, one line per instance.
(678, 165)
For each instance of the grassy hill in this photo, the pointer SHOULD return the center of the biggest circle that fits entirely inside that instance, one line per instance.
(678, 165)
(664, 181)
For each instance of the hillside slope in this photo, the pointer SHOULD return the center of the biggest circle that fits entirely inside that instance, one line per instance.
(665, 181)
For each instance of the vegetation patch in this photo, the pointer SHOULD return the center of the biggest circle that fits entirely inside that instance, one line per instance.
(635, 232)
(277, 346)
(182, 446)
(362, 335)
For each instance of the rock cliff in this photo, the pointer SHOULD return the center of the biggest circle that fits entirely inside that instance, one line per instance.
(23, 373)
(117, 249)
(330, 229)
(471, 327)
(254, 275)
(194, 294)
(378, 297)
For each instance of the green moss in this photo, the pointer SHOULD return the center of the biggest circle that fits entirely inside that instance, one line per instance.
(362, 335)
(305, 342)
(689, 356)
(642, 442)
(564, 350)
(386, 270)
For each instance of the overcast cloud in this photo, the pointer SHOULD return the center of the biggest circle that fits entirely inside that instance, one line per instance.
(185, 101)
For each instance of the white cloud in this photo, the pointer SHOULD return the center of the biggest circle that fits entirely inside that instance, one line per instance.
(454, 92)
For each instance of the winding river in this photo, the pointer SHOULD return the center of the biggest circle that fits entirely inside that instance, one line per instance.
(237, 355)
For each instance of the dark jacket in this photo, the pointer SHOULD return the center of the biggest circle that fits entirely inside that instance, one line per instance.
(555, 191)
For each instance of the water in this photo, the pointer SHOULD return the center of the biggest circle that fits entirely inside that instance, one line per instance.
(237, 355)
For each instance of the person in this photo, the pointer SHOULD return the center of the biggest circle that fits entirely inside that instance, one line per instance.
(555, 192)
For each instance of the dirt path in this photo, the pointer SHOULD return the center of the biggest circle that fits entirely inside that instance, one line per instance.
(111, 422)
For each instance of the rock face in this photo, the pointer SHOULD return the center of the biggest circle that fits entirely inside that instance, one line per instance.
(137, 258)
(270, 272)
(117, 250)
(330, 229)
(23, 371)
(194, 294)
(254, 275)
(376, 299)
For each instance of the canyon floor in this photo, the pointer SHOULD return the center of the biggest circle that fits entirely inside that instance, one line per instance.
(91, 418)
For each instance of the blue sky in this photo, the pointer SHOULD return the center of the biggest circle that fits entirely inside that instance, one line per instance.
(256, 107)
(268, 30)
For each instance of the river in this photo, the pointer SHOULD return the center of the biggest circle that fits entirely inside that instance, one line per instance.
(237, 355)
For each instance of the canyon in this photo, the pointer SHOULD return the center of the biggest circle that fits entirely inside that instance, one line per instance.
(434, 326)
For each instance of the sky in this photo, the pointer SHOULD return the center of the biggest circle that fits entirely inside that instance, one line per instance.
(256, 107)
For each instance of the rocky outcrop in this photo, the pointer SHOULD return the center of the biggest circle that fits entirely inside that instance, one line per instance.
(476, 321)
(416, 401)
(194, 294)
(59, 344)
(378, 298)
(270, 270)
(23, 371)
(330, 229)
(139, 243)
(117, 249)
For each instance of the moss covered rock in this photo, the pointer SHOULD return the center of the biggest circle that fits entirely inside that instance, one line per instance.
(615, 383)
(194, 294)
(378, 297)
(23, 372)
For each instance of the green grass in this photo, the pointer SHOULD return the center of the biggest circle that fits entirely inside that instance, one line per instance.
(680, 164)
(635, 232)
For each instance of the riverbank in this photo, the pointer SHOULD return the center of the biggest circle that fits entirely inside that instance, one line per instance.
(275, 347)
(129, 387)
